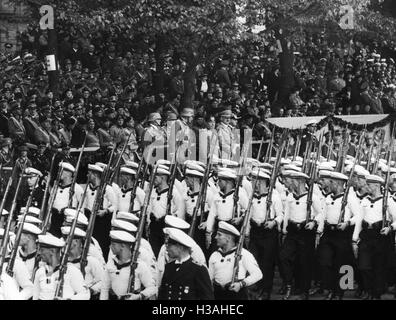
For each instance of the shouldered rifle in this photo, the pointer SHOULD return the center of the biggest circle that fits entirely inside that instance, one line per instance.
(6, 236)
(387, 178)
(344, 201)
(330, 150)
(369, 155)
(136, 184)
(202, 192)
(311, 183)
(47, 187)
(172, 176)
(73, 184)
(274, 175)
(378, 155)
(240, 176)
(307, 153)
(268, 152)
(95, 208)
(14, 252)
(246, 219)
(7, 190)
(342, 152)
(119, 158)
(65, 258)
(139, 233)
(298, 144)
(47, 219)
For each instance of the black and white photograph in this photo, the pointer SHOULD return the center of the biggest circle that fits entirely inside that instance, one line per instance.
(218, 150)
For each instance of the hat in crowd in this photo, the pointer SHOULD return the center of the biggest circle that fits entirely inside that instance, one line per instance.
(226, 175)
(162, 172)
(121, 236)
(78, 233)
(228, 228)
(31, 220)
(70, 121)
(194, 173)
(94, 167)
(228, 163)
(295, 174)
(126, 170)
(154, 116)
(68, 167)
(187, 112)
(360, 171)
(392, 173)
(131, 164)
(326, 166)
(325, 173)
(175, 222)
(292, 167)
(338, 176)
(50, 241)
(372, 178)
(23, 148)
(5, 212)
(179, 236)
(118, 224)
(259, 174)
(70, 215)
(34, 211)
(127, 216)
(163, 162)
(225, 113)
(33, 171)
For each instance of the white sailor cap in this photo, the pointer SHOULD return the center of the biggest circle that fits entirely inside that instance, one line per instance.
(78, 233)
(162, 171)
(297, 163)
(30, 219)
(5, 212)
(266, 165)
(121, 236)
(163, 162)
(2, 230)
(228, 228)
(226, 175)
(34, 211)
(325, 173)
(118, 224)
(131, 164)
(260, 174)
(295, 174)
(179, 236)
(68, 167)
(348, 162)
(125, 170)
(94, 167)
(285, 161)
(33, 171)
(360, 171)
(70, 215)
(101, 164)
(128, 216)
(31, 228)
(175, 222)
(373, 178)
(338, 176)
(195, 166)
(253, 162)
(383, 166)
(325, 166)
(194, 173)
(187, 163)
(49, 240)
(291, 167)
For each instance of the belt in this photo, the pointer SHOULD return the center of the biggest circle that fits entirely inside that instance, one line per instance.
(297, 225)
(331, 227)
(372, 226)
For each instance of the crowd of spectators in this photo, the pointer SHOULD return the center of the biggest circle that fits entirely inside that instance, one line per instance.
(109, 84)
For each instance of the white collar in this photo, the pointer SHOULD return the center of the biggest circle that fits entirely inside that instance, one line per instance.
(182, 260)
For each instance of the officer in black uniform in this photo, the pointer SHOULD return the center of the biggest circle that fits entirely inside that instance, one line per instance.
(183, 279)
